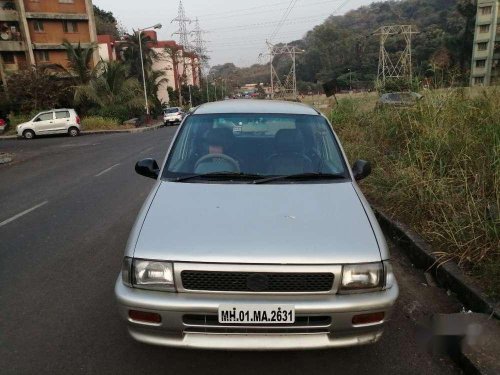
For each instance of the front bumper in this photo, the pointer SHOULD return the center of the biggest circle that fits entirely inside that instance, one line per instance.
(172, 331)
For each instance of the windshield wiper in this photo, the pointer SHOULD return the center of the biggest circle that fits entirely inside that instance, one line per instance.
(221, 175)
(302, 177)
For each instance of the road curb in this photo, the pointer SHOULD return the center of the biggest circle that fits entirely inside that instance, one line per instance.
(94, 132)
(448, 275)
(472, 360)
(120, 131)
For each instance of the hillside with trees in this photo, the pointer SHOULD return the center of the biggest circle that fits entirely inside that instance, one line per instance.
(441, 51)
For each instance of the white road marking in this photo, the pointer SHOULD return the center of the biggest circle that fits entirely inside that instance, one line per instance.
(107, 170)
(148, 149)
(22, 214)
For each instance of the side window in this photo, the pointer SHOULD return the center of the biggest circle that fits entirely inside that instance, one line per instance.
(62, 114)
(45, 117)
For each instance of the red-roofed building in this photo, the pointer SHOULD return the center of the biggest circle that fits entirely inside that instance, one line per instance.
(179, 67)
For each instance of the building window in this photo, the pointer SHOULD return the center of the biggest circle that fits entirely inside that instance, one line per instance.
(38, 26)
(484, 28)
(8, 58)
(486, 10)
(66, 1)
(480, 63)
(42, 56)
(478, 80)
(482, 46)
(70, 26)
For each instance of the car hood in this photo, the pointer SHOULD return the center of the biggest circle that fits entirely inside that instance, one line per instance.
(259, 224)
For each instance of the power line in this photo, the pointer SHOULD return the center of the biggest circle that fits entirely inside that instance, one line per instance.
(260, 11)
(283, 19)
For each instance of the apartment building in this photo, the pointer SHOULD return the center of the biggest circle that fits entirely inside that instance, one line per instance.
(178, 66)
(485, 69)
(32, 31)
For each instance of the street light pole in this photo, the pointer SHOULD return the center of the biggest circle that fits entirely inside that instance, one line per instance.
(157, 26)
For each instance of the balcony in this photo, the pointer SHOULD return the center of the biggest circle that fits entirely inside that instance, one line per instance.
(58, 16)
(12, 46)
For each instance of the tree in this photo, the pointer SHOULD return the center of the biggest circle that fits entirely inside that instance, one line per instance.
(39, 88)
(113, 92)
(80, 61)
(106, 23)
(131, 55)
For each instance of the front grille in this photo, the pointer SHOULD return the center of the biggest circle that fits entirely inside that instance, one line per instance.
(210, 324)
(257, 282)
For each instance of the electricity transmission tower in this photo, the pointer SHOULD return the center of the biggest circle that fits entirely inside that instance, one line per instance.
(183, 33)
(199, 45)
(399, 66)
(286, 88)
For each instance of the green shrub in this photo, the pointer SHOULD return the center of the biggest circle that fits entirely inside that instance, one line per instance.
(100, 123)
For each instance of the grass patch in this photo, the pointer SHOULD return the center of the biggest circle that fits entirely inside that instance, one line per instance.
(436, 167)
(102, 123)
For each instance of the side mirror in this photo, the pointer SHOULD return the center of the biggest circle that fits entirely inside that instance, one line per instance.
(361, 169)
(148, 168)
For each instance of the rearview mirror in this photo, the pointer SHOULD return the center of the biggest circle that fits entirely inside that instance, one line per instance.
(361, 169)
(148, 168)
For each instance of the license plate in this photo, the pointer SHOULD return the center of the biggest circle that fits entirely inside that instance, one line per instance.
(256, 314)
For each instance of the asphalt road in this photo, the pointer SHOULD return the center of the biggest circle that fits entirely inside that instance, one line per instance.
(66, 208)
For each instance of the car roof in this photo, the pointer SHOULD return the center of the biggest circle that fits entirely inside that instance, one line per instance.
(255, 106)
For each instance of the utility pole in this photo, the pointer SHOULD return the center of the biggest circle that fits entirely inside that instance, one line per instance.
(208, 91)
(400, 66)
(288, 88)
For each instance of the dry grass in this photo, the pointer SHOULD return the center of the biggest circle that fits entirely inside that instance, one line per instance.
(102, 123)
(436, 167)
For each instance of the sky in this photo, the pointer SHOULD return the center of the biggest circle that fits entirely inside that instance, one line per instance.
(236, 30)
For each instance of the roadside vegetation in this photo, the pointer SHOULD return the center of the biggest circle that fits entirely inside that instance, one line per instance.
(436, 167)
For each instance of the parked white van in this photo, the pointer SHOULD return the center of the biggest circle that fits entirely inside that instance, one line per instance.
(56, 121)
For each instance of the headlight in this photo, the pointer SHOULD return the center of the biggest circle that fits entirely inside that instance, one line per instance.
(362, 278)
(148, 274)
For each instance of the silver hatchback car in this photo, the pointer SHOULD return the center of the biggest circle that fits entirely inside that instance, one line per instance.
(256, 237)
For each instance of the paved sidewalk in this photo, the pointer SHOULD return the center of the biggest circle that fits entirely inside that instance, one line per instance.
(152, 127)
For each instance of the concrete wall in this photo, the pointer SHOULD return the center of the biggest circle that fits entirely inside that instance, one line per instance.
(54, 6)
(54, 32)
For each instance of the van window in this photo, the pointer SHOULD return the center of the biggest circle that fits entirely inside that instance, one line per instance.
(62, 114)
(45, 117)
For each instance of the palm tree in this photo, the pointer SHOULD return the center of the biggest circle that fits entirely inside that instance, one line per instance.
(131, 55)
(111, 89)
(80, 60)
(154, 81)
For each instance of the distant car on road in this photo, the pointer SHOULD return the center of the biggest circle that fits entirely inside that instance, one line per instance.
(399, 99)
(55, 121)
(173, 115)
(256, 236)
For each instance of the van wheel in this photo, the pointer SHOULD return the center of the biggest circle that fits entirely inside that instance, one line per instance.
(29, 134)
(73, 132)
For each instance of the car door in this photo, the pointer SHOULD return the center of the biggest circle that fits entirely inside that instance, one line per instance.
(44, 123)
(61, 121)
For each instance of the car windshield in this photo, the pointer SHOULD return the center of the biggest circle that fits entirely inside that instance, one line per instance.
(255, 145)
(172, 110)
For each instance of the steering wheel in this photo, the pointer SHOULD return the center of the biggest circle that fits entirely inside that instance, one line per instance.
(214, 157)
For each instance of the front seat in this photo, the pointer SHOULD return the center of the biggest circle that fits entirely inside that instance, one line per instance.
(289, 158)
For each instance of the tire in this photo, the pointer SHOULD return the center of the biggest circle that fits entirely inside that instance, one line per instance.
(73, 132)
(28, 134)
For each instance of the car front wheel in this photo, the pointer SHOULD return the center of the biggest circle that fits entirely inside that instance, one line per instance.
(29, 134)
